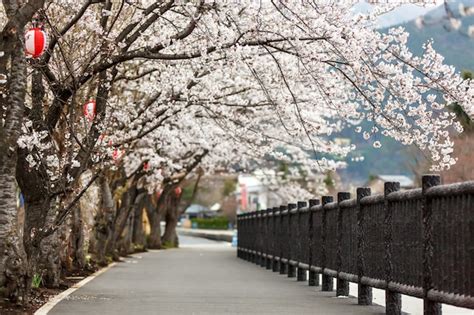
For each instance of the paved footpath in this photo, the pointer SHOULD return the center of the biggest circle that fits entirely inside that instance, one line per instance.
(202, 277)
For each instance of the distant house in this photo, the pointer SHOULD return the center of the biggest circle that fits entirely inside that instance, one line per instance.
(376, 183)
(198, 211)
(251, 193)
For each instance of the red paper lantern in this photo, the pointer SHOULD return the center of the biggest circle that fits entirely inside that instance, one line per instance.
(90, 110)
(117, 154)
(35, 42)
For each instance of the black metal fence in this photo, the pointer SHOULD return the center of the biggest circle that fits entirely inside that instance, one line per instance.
(418, 242)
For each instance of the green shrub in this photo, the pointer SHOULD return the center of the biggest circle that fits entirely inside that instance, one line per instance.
(217, 223)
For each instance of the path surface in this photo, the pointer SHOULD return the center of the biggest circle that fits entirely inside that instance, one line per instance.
(202, 277)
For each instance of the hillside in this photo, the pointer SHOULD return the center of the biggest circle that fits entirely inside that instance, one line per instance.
(455, 46)
(392, 157)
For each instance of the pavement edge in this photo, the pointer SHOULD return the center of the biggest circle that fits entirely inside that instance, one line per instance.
(43, 310)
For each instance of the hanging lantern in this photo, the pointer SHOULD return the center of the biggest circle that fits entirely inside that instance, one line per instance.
(146, 166)
(90, 110)
(35, 42)
(117, 154)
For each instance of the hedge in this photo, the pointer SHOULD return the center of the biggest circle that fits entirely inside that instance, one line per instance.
(217, 223)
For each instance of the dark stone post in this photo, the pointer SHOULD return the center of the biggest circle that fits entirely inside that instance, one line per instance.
(429, 307)
(291, 241)
(327, 281)
(313, 276)
(301, 273)
(275, 263)
(283, 266)
(342, 286)
(393, 301)
(364, 291)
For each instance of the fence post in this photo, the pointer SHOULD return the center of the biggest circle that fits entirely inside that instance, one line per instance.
(393, 301)
(238, 227)
(248, 231)
(268, 241)
(263, 237)
(291, 241)
(257, 237)
(251, 238)
(242, 236)
(342, 286)
(313, 276)
(301, 273)
(364, 291)
(327, 281)
(283, 266)
(253, 220)
(429, 307)
(275, 263)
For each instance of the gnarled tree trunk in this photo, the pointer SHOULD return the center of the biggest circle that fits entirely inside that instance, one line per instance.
(170, 237)
(154, 216)
(104, 221)
(13, 267)
(138, 237)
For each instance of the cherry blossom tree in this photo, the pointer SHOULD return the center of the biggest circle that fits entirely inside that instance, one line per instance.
(217, 82)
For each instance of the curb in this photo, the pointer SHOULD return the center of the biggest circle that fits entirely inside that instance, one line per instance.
(214, 235)
(43, 310)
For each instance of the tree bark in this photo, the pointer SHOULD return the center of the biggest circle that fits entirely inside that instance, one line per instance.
(126, 244)
(104, 221)
(138, 233)
(13, 268)
(77, 253)
(122, 218)
(154, 240)
(170, 237)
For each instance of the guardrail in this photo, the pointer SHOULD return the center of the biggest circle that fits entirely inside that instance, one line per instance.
(418, 242)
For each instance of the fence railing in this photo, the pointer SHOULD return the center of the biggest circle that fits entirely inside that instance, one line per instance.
(418, 242)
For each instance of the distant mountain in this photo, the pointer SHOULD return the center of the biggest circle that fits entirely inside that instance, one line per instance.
(456, 46)
(401, 14)
(458, 50)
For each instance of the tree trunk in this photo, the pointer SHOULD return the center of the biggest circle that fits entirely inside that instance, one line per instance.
(170, 237)
(49, 262)
(104, 221)
(125, 241)
(138, 238)
(120, 222)
(13, 264)
(154, 240)
(76, 256)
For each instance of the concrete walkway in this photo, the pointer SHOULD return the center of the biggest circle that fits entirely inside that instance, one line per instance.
(202, 277)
